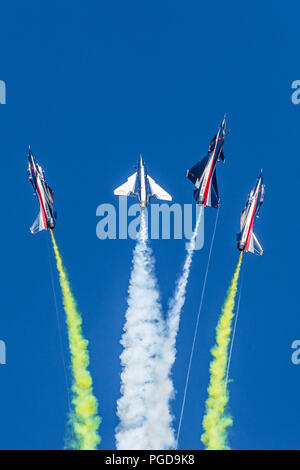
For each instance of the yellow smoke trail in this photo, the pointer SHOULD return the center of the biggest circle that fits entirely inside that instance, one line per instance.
(216, 421)
(84, 419)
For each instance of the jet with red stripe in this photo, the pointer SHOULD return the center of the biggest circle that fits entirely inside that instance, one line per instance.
(46, 217)
(247, 240)
(203, 174)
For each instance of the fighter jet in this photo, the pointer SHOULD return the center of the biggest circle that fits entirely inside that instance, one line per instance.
(203, 174)
(247, 241)
(141, 185)
(46, 217)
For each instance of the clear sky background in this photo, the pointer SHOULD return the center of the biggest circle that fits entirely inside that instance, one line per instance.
(89, 86)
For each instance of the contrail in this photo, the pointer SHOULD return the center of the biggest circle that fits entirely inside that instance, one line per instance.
(144, 416)
(84, 418)
(216, 420)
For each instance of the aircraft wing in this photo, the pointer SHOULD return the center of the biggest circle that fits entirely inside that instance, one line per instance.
(195, 173)
(215, 198)
(261, 199)
(49, 193)
(157, 191)
(38, 224)
(255, 247)
(128, 188)
(222, 156)
(243, 218)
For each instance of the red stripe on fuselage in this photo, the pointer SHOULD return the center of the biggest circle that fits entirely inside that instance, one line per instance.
(210, 173)
(251, 225)
(43, 210)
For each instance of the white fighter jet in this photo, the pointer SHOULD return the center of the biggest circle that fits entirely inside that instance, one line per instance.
(141, 185)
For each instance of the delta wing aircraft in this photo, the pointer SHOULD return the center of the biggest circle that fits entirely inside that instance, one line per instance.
(247, 240)
(203, 174)
(141, 185)
(46, 217)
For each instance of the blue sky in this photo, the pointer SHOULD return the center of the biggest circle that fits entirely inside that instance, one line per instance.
(90, 85)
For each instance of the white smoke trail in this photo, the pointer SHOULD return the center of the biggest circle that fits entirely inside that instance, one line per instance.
(159, 418)
(177, 302)
(167, 356)
(144, 421)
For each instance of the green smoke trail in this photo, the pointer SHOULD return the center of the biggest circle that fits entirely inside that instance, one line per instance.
(216, 421)
(84, 418)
